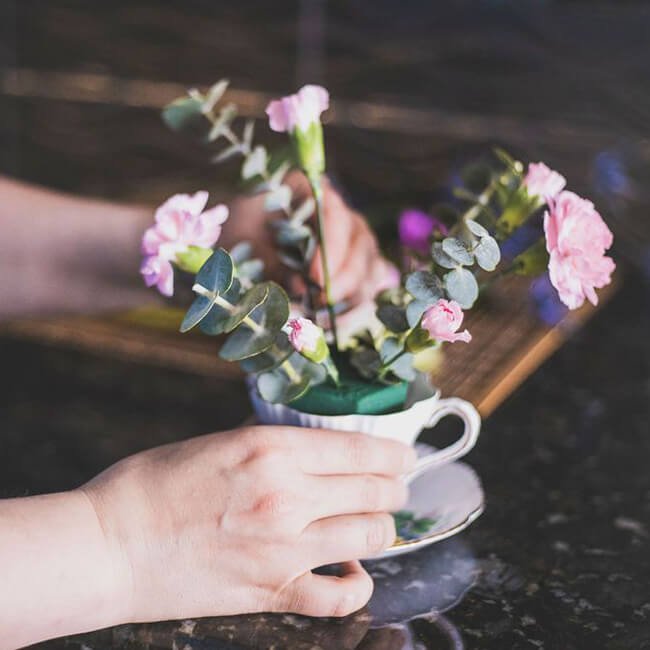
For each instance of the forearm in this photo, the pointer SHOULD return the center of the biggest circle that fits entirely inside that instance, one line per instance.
(61, 253)
(57, 573)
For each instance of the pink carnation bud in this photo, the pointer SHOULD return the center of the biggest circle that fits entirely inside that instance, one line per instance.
(304, 335)
(576, 239)
(299, 110)
(544, 182)
(442, 321)
(181, 222)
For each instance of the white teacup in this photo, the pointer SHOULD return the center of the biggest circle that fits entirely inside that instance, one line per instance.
(404, 426)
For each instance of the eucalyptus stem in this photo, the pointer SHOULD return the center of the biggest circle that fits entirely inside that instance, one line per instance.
(483, 201)
(246, 151)
(286, 365)
(291, 372)
(320, 218)
(387, 364)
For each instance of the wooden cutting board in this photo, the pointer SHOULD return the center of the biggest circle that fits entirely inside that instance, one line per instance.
(509, 342)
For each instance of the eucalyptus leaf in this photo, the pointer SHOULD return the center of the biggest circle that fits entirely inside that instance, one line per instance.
(276, 178)
(247, 135)
(226, 115)
(214, 95)
(289, 234)
(227, 153)
(393, 317)
(196, 313)
(401, 367)
(476, 228)
(302, 213)
(424, 285)
(270, 317)
(292, 260)
(441, 258)
(457, 251)
(366, 361)
(271, 358)
(487, 253)
(278, 199)
(221, 320)
(275, 387)
(255, 163)
(414, 311)
(217, 273)
(278, 386)
(250, 270)
(183, 114)
(241, 251)
(462, 287)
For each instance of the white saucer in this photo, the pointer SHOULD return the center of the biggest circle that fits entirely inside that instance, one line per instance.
(442, 502)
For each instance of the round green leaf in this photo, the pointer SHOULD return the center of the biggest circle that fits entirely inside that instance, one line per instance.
(441, 258)
(456, 250)
(220, 320)
(270, 316)
(184, 114)
(269, 359)
(424, 286)
(402, 367)
(393, 317)
(255, 163)
(278, 199)
(414, 311)
(462, 287)
(487, 253)
(196, 313)
(476, 228)
(217, 273)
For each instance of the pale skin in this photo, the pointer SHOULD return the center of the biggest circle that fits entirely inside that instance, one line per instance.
(226, 523)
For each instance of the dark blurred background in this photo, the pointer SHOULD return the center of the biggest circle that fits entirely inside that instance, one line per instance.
(419, 87)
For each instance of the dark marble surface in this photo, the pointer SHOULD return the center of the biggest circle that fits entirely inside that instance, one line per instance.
(560, 560)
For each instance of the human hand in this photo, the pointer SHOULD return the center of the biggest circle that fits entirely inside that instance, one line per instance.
(234, 522)
(357, 269)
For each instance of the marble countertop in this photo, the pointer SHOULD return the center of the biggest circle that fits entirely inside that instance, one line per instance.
(560, 559)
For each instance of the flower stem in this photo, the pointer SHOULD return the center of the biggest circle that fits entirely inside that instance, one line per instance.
(317, 189)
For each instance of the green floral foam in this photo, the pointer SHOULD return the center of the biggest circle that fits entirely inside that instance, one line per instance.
(352, 396)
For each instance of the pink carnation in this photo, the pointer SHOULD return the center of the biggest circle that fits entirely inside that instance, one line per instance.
(442, 321)
(180, 223)
(543, 182)
(304, 335)
(576, 239)
(299, 110)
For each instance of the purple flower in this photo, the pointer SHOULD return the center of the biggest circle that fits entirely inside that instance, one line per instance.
(415, 229)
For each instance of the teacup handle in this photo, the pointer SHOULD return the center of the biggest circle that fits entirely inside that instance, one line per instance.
(472, 422)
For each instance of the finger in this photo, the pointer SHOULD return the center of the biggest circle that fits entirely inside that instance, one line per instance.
(339, 227)
(339, 539)
(348, 495)
(317, 595)
(321, 451)
(351, 276)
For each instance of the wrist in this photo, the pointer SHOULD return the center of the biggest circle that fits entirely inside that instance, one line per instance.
(113, 565)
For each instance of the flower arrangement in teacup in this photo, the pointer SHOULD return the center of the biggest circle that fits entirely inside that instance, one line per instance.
(290, 355)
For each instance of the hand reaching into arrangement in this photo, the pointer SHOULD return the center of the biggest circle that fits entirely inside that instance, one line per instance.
(222, 524)
(358, 270)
